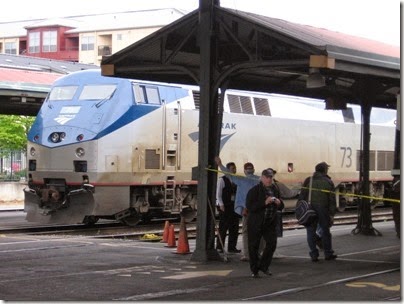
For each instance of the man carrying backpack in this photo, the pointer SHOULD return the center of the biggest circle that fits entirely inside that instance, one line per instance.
(323, 203)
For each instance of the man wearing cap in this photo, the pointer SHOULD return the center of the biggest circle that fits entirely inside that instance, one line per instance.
(244, 184)
(323, 202)
(263, 202)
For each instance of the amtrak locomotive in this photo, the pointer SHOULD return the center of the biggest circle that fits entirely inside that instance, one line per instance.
(104, 147)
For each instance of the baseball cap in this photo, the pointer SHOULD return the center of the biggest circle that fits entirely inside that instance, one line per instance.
(268, 172)
(273, 170)
(322, 167)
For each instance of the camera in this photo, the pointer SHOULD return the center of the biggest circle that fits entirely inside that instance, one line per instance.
(273, 200)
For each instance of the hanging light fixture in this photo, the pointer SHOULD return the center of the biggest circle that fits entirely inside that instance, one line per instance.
(315, 79)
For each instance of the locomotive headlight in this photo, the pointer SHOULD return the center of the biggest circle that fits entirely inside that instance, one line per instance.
(80, 152)
(32, 151)
(55, 137)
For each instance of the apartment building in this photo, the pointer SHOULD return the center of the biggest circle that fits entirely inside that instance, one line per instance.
(85, 38)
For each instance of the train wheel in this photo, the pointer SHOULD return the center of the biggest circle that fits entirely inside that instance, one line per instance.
(132, 220)
(90, 220)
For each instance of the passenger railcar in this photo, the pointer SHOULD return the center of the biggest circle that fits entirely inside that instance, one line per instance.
(104, 147)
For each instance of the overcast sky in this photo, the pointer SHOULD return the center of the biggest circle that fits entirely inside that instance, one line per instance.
(374, 19)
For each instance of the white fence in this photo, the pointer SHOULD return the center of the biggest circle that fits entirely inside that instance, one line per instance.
(13, 165)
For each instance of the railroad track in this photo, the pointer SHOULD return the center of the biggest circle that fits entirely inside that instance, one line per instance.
(117, 230)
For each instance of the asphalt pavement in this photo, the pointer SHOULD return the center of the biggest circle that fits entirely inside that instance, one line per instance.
(83, 268)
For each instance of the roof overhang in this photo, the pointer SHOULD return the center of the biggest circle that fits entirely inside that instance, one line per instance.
(259, 53)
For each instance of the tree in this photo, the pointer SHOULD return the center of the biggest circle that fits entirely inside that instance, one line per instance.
(13, 131)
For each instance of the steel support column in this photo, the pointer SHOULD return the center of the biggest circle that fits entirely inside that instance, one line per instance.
(208, 131)
(364, 224)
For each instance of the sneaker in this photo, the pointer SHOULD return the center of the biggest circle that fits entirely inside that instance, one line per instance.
(331, 257)
(244, 259)
(255, 275)
(234, 250)
(266, 272)
(220, 250)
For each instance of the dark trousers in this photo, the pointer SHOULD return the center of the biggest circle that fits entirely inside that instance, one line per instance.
(324, 223)
(255, 233)
(228, 221)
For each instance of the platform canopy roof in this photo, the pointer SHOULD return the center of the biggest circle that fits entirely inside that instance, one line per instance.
(259, 53)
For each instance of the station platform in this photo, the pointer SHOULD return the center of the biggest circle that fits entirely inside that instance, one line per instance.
(75, 268)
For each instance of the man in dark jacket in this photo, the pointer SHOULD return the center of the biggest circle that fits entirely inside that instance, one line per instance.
(323, 202)
(263, 201)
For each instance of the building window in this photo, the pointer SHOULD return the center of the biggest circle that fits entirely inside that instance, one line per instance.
(10, 48)
(87, 43)
(49, 41)
(33, 42)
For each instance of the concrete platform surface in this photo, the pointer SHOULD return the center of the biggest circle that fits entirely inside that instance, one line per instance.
(55, 268)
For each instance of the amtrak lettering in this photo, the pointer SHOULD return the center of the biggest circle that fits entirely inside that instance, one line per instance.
(228, 126)
(231, 126)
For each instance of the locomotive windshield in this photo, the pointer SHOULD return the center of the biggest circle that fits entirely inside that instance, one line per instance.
(89, 92)
(97, 92)
(62, 93)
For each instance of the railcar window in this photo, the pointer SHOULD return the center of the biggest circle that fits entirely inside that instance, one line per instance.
(240, 104)
(262, 106)
(152, 95)
(97, 92)
(139, 94)
(62, 93)
(146, 94)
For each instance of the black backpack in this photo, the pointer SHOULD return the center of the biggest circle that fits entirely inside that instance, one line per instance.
(305, 214)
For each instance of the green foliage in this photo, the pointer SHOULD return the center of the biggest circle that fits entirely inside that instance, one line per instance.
(13, 131)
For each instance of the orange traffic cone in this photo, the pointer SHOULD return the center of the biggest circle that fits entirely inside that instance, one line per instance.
(165, 232)
(171, 237)
(183, 245)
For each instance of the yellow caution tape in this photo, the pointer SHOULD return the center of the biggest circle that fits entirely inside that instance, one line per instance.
(376, 198)
(392, 200)
(228, 173)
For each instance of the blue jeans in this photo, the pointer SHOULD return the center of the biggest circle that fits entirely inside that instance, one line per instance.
(324, 222)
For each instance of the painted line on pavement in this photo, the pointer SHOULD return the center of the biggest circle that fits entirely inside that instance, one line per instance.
(303, 288)
(162, 294)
